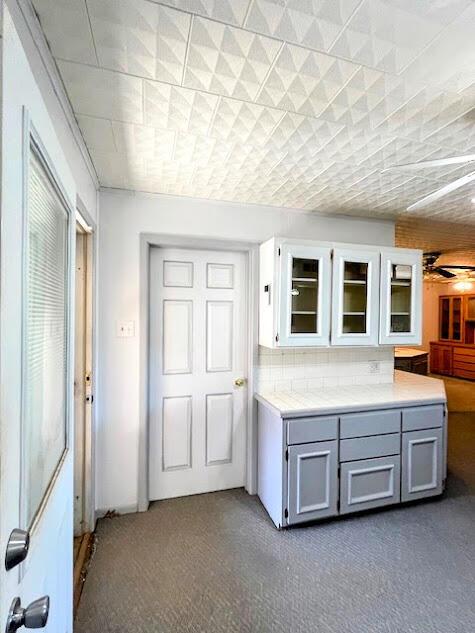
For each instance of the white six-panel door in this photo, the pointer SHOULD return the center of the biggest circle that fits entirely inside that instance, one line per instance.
(198, 350)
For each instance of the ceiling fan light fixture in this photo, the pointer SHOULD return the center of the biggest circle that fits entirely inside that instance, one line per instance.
(462, 286)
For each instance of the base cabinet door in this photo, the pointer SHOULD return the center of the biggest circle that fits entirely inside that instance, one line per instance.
(312, 481)
(421, 464)
(369, 483)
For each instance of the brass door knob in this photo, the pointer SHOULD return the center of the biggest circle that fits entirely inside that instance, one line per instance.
(239, 382)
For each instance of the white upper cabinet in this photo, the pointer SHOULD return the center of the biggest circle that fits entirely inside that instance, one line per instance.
(304, 314)
(294, 294)
(401, 297)
(355, 296)
(319, 294)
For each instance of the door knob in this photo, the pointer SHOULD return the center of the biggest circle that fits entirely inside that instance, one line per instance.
(17, 548)
(239, 382)
(34, 616)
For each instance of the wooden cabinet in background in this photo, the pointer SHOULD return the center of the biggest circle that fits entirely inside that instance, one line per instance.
(454, 353)
(441, 359)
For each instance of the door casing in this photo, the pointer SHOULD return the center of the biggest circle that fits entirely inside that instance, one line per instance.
(147, 241)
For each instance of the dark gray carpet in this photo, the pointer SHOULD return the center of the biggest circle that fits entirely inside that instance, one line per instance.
(215, 563)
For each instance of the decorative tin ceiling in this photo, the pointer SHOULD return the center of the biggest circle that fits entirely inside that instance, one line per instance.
(295, 103)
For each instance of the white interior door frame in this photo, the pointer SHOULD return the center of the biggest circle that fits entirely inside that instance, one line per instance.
(89, 226)
(148, 241)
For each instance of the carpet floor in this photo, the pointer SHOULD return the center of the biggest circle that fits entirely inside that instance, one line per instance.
(214, 563)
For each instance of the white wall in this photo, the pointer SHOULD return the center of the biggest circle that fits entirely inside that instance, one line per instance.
(124, 217)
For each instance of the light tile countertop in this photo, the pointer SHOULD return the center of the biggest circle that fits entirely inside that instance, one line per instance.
(406, 390)
(408, 352)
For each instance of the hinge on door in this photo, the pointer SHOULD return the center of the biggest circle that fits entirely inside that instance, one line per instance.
(286, 513)
(287, 455)
(90, 399)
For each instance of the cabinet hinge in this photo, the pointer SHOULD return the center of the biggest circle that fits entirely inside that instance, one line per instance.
(276, 338)
(287, 455)
(286, 513)
(90, 399)
(279, 252)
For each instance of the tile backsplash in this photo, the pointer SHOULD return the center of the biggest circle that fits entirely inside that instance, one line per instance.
(301, 369)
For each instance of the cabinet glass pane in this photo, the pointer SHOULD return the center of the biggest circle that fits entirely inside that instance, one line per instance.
(401, 297)
(304, 291)
(444, 318)
(355, 299)
(457, 319)
(470, 307)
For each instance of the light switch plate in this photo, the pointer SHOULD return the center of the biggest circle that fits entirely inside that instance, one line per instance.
(125, 329)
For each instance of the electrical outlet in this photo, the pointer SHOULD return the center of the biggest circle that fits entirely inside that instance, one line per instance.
(374, 367)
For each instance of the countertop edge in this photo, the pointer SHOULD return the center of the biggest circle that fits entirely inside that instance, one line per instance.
(292, 413)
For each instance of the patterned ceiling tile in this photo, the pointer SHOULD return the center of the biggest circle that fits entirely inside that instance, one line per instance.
(459, 135)
(245, 122)
(103, 93)
(228, 11)
(140, 38)
(299, 134)
(304, 81)
(400, 151)
(73, 40)
(226, 60)
(97, 133)
(368, 98)
(314, 24)
(389, 34)
(424, 114)
(141, 141)
(355, 144)
(174, 108)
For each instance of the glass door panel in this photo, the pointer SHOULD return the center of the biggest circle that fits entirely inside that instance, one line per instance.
(355, 297)
(45, 338)
(304, 291)
(445, 319)
(457, 319)
(401, 293)
(471, 308)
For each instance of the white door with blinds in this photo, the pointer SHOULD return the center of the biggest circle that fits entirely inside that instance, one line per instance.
(198, 360)
(36, 392)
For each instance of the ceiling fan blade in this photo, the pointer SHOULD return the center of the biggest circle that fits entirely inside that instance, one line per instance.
(443, 191)
(444, 273)
(457, 267)
(438, 162)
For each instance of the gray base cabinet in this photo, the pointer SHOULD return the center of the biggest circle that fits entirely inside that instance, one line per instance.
(422, 464)
(321, 466)
(313, 481)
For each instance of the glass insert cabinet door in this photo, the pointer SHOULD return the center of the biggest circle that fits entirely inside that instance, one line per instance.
(355, 297)
(304, 295)
(401, 297)
(450, 319)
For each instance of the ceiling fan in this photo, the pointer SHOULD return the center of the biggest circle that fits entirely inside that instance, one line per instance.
(430, 266)
(446, 189)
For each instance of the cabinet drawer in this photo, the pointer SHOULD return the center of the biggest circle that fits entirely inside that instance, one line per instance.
(370, 483)
(366, 447)
(370, 423)
(418, 418)
(312, 430)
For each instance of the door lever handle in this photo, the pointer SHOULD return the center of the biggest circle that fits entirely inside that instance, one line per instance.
(34, 616)
(17, 548)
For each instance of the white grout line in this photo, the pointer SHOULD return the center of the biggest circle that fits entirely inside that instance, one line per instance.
(187, 51)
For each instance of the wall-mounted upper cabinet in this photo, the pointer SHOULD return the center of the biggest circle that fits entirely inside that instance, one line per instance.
(319, 294)
(355, 309)
(401, 297)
